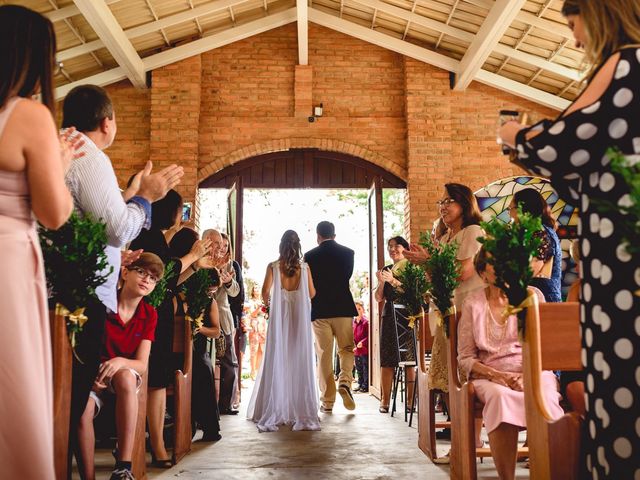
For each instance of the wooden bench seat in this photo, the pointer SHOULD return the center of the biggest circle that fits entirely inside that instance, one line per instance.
(552, 342)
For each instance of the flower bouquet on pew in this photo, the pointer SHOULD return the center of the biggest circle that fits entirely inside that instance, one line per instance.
(75, 266)
(197, 292)
(412, 291)
(157, 296)
(510, 247)
(444, 277)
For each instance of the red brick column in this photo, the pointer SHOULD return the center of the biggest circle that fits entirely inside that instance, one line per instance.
(429, 166)
(175, 118)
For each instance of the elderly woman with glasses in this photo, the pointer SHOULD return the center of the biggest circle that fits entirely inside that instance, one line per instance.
(460, 213)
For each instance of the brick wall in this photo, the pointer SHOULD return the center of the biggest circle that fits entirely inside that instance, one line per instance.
(238, 101)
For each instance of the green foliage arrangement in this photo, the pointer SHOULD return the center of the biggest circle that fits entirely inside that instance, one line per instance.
(444, 275)
(75, 266)
(196, 293)
(157, 296)
(630, 226)
(411, 293)
(510, 247)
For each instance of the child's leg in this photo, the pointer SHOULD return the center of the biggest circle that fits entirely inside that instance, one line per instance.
(365, 372)
(87, 442)
(124, 384)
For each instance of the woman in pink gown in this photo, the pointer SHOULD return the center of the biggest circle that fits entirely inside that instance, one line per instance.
(491, 355)
(32, 164)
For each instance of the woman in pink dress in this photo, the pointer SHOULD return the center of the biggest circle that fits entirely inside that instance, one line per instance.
(491, 355)
(31, 184)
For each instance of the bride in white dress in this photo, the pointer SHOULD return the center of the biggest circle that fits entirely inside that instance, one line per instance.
(286, 392)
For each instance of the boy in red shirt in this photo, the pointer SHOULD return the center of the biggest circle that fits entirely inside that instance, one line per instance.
(361, 351)
(127, 342)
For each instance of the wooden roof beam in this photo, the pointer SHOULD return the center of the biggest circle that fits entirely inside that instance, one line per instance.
(151, 27)
(101, 19)
(495, 24)
(382, 40)
(69, 11)
(302, 10)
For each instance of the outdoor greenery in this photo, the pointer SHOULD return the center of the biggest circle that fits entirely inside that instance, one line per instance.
(444, 272)
(510, 247)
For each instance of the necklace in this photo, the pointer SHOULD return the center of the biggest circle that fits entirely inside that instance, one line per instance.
(492, 337)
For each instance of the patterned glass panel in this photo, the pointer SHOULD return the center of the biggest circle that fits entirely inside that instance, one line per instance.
(494, 200)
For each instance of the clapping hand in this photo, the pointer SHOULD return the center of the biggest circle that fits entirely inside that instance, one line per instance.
(69, 145)
(155, 186)
(226, 276)
(201, 248)
(417, 254)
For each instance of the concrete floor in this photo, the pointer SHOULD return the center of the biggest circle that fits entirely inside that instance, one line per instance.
(363, 444)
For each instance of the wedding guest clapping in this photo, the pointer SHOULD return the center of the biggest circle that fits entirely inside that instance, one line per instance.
(32, 165)
(390, 350)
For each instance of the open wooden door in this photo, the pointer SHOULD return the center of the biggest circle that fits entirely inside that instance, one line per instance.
(234, 218)
(376, 262)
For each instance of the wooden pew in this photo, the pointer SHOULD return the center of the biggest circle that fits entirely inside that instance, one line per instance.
(62, 374)
(182, 434)
(426, 398)
(552, 342)
(465, 409)
(139, 460)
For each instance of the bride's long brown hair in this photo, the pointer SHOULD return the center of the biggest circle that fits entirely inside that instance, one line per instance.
(290, 253)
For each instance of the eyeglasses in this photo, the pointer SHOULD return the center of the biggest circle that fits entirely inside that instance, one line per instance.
(445, 203)
(144, 274)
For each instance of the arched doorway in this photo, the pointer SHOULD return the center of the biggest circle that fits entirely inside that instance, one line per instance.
(312, 169)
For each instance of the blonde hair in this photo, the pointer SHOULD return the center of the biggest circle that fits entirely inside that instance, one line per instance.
(609, 25)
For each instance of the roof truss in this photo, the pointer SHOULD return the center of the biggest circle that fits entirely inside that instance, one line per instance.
(412, 18)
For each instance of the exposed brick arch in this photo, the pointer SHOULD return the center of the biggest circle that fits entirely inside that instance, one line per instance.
(284, 144)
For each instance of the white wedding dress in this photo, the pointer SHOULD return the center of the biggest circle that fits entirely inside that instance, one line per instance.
(286, 390)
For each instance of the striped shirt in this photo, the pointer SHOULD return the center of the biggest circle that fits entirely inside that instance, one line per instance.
(94, 187)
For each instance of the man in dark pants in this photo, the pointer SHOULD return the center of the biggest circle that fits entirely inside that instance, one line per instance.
(332, 311)
(240, 338)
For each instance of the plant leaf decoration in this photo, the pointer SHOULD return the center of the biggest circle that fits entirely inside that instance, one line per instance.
(510, 247)
(412, 291)
(158, 294)
(444, 275)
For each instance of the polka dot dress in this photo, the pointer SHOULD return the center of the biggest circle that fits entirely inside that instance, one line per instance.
(572, 152)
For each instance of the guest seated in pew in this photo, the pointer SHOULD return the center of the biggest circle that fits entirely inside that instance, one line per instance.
(491, 355)
(204, 404)
(125, 354)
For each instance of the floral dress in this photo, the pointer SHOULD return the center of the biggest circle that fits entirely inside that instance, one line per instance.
(572, 151)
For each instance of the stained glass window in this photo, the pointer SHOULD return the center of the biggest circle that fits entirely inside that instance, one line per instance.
(494, 200)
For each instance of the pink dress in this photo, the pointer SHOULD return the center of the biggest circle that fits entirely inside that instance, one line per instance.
(26, 391)
(481, 339)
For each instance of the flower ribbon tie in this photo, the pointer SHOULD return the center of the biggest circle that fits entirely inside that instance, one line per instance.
(78, 319)
(197, 322)
(412, 320)
(511, 310)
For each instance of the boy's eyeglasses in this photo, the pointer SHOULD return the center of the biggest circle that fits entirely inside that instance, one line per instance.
(144, 274)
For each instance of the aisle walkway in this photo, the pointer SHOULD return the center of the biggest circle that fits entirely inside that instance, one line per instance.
(363, 444)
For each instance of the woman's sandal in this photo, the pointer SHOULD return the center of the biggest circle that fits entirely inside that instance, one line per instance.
(383, 409)
(160, 463)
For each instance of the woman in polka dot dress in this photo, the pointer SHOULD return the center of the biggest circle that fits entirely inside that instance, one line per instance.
(571, 151)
